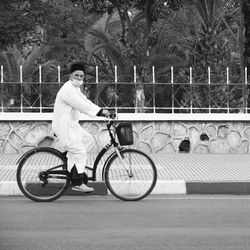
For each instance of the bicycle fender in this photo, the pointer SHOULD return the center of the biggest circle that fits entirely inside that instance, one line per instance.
(37, 149)
(24, 156)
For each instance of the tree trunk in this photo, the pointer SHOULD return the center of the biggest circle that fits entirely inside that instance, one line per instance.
(246, 12)
(246, 54)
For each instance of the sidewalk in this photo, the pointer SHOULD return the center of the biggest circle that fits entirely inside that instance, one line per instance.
(177, 174)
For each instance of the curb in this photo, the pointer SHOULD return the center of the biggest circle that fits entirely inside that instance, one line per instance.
(170, 187)
(218, 187)
(10, 188)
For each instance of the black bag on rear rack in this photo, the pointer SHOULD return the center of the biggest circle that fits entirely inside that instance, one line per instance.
(124, 133)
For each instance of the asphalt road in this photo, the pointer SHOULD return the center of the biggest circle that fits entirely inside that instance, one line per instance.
(159, 222)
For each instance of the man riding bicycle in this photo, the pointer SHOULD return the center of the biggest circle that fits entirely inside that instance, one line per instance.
(69, 103)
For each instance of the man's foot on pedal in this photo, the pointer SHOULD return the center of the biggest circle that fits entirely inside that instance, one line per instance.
(83, 188)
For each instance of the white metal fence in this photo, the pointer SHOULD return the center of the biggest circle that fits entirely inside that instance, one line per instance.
(132, 97)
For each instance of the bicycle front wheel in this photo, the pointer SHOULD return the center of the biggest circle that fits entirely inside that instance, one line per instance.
(130, 176)
(42, 175)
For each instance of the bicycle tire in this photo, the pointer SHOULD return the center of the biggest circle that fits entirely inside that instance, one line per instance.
(132, 180)
(29, 170)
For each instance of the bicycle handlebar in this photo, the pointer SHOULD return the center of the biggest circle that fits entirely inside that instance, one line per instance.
(112, 116)
(111, 119)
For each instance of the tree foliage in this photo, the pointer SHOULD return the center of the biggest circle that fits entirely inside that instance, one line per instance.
(145, 33)
(212, 47)
(18, 18)
(43, 31)
(164, 34)
(133, 33)
(40, 32)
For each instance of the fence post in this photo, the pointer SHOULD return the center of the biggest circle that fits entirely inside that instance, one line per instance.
(191, 87)
(97, 87)
(228, 95)
(172, 84)
(245, 100)
(21, 83)
(135, 97)
(58, 74)
(2, 88)
(209, 90)
(115, 89)
(40, 88)
(153, 74)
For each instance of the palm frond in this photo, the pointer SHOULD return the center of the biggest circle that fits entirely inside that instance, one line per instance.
(30, 62)
(109, 46)
(94, 50)
(166, 60)
(49, 71)
(12, 59)
(138, 20)
(113, 23)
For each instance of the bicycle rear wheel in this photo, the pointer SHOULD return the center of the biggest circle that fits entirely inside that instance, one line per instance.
(42, 175)
(131, 177)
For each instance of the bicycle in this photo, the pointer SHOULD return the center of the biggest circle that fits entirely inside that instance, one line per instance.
(129, 174)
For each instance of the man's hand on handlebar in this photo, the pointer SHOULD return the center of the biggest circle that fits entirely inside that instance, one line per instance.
(109, 114)
(106, 113)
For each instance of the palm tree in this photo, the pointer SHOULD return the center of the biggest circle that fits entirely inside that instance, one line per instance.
(12, 59)
(149, 47)
(212, 36)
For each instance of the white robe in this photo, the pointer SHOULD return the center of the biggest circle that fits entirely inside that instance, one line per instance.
(70, 101)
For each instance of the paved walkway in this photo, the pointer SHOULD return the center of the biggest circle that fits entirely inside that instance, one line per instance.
(177, 169)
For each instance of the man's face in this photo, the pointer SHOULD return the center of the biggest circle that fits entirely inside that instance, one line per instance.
(77, 75)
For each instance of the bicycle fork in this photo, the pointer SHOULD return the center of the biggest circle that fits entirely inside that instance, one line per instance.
(129, 171)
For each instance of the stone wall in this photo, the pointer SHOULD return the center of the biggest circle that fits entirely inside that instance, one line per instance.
(155, 136)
